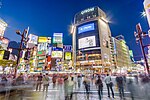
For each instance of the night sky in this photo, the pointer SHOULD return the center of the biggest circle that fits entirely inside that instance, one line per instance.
(44, 17)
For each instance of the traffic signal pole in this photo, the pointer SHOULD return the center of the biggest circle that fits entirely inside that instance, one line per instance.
(143, 52)
(139, 38)
(19, 50)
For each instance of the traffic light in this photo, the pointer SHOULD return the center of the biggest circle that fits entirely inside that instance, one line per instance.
(6, 55)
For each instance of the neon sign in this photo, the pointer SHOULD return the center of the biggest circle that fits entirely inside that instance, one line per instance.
(87, 10)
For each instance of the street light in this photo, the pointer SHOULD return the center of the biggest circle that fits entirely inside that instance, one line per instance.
(23, 39)
(139, 35)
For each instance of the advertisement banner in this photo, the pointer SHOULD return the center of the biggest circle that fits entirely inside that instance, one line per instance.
(86, 42)
(56, 54)
(42, 46)
(1, 54)
(49, 51)
(49, 39)
(42, 39)
(48, 63)
(33, 39)
(58, 38)
(85, 28)
(40, 53)
(67, 55)
(3, 26)
(67, 48)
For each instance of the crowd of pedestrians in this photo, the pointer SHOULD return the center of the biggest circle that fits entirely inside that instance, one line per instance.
(69, 82)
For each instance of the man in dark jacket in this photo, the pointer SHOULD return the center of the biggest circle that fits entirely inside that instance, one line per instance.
(99, 84)
(39, 82)
(120, 84)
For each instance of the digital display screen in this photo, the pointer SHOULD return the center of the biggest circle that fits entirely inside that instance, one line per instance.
(57, 37)
(56, 54)
(85, 28)
(86, 42)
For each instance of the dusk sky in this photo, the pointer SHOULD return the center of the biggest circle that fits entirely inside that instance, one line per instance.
(44, 17)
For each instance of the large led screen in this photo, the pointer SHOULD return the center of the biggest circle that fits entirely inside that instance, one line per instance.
(56, 54)
(86, 42)
(85, 28)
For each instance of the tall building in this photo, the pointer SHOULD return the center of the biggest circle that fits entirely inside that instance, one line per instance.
(91, 41)
(4, 42)
(147, 9)
(42, 52)
(3, 26)
(121, 60)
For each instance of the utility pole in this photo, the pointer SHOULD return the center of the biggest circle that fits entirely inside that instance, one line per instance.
(139, 35)
(23, 38)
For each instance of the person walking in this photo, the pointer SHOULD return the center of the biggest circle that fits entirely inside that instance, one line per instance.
(70, 87)
(86, 83)
(66, 82)
(120, 84)
(131, 89)
(54, 80)
(4, 81)
(79, 81)
(99, 84)
(45, 81)
(39, 82)
(109, 85)
(20, 79)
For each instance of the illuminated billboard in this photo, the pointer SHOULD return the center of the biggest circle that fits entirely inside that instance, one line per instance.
(42, 39)
(85, 28)
(33, 39)
(56, 54)
(1, 54)
(86, 42)
(49, 40)
(67, 55)
(49, 51)
(41, 53)
(58, 38)
(42, 46)
(67, 48)
(3, 26)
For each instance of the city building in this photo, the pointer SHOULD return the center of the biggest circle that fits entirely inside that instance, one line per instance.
(121, 60)
(4, 43)
(42, 53)
(91, 41)
(147, 9)
(3, 26)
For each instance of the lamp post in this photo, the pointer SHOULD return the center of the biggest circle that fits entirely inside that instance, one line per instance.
(23, 38)
(139, 35)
